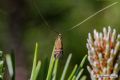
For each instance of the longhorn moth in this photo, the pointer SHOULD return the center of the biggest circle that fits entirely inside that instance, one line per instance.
(58, 52)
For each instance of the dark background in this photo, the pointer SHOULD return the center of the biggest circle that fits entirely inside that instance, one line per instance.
(21, 25)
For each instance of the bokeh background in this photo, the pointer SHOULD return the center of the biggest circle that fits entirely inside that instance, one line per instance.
(22, 24)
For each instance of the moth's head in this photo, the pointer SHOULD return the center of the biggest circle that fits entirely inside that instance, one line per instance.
(59, 35)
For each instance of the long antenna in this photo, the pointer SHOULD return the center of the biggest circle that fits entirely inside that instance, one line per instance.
(43, 19)
(86, 19)
(93, 15)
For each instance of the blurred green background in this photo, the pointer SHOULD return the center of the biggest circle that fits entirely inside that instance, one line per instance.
(21, 25)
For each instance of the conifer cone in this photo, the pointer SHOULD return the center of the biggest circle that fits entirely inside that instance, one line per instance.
(104, 54)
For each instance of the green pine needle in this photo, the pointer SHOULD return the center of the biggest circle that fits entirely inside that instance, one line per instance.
(33, 75)
(83, 61)
(37, 69)
(66, 67)
(51, 65)
(74, 78)
(81, 64)
(79, 74)
(83, 78)
(10, 66)
(73, 72)
(55, 69)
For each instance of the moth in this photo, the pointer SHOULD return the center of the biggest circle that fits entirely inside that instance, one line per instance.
(58, 52)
